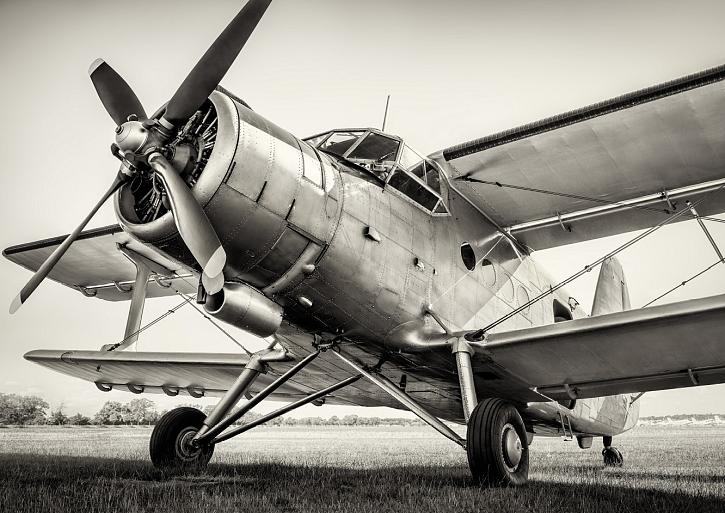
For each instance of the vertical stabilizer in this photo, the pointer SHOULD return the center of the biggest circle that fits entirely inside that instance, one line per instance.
(611, 294)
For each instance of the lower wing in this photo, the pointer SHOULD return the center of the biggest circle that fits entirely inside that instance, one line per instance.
(662, 347)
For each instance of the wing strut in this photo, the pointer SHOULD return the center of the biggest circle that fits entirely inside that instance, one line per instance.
(478, 335)
(406, 400)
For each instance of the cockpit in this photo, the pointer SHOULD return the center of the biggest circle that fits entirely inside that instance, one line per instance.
(389, 160)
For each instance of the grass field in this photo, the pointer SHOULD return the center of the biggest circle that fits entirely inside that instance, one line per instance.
(354, 469)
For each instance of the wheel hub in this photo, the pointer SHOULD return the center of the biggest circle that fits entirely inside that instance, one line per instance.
(511, 447)
(185, 449)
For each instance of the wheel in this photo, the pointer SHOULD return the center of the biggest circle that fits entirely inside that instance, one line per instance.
(170, 446)
(496, 443)
(612, 457)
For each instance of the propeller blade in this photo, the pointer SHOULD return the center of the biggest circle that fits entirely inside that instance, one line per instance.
(116, 95)
(194, 227)
(48, 265)
(211, 68)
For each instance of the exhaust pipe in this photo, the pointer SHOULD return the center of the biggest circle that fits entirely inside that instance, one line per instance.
(245, 308)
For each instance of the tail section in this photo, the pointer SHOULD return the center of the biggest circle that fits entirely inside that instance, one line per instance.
(611, 294)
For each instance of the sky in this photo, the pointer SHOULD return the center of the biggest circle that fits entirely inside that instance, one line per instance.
(456, 71)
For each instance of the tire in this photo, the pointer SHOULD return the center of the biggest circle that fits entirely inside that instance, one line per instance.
(169, 447)
(612, 457)
(496, 443)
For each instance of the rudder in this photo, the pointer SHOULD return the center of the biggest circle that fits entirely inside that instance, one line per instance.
(611, 294)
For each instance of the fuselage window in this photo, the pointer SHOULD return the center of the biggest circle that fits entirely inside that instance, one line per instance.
(489, 273)
(507, 288)
(561, 312)
(468, 256)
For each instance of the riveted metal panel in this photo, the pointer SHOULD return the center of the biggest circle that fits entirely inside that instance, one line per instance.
(283, 178)
(254, 160)
(247, 230)
(309, 211)
(285, 252)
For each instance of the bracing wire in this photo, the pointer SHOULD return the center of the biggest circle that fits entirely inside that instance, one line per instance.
(563, 194)
(479, 334)
(682, 284)
(188, 300)
(148, 325)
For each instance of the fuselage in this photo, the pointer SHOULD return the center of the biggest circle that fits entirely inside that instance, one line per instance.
(345, 252)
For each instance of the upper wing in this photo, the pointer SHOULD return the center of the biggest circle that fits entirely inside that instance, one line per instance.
(94, 265)
(662, 347)
(616, 166)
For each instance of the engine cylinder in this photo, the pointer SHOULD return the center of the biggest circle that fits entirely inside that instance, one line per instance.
(245, 308)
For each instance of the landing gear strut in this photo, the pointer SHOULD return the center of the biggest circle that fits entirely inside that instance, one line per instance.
(496, 443)
(612, 456)
(184, 438)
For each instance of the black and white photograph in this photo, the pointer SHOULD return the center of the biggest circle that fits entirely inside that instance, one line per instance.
(362, 256)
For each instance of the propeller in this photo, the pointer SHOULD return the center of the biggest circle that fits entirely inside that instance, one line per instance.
(194, 227)
(47, 266)
(116, 95)
(139, 144)
(214, 64)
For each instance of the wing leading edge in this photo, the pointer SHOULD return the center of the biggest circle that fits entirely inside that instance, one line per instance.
(95, 266)
(194, 374)
(658, 348)
(614, 167)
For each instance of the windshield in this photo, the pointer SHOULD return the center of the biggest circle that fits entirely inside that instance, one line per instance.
(389, 160)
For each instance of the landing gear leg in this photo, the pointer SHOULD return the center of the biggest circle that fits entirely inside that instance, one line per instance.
(612, 456)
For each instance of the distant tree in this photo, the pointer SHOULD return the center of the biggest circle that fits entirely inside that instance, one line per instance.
(57, 417)
(141, 411)
(22, 409)
(113, 413)
(349, 420)
(79, 420)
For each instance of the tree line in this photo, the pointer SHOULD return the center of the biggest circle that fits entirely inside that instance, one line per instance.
(33, 410)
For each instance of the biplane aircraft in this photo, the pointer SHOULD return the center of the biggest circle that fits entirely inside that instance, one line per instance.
(383, 277)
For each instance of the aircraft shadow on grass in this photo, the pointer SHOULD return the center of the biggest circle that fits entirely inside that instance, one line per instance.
(398, 483)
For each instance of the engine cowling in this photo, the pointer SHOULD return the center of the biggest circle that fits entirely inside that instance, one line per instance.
(253, 180)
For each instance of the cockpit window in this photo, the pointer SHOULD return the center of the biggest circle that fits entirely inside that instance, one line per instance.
(414, 189)
(389, 160)
(339, 142)
(375, 147)
(316, 139)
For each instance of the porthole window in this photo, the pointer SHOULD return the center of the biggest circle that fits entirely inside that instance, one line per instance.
(468, 256)
(523, 298)
(507, 288)
(489, 273)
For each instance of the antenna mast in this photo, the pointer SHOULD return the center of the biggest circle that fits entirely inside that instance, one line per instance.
(385, 116)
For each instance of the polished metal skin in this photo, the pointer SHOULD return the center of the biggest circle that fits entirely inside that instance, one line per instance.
(246, 308)
(352, 241)
(511, 447)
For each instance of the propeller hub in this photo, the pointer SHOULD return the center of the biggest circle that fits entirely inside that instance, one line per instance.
(131, 136)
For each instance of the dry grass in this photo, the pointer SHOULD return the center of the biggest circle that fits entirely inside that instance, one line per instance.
(359, 469)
